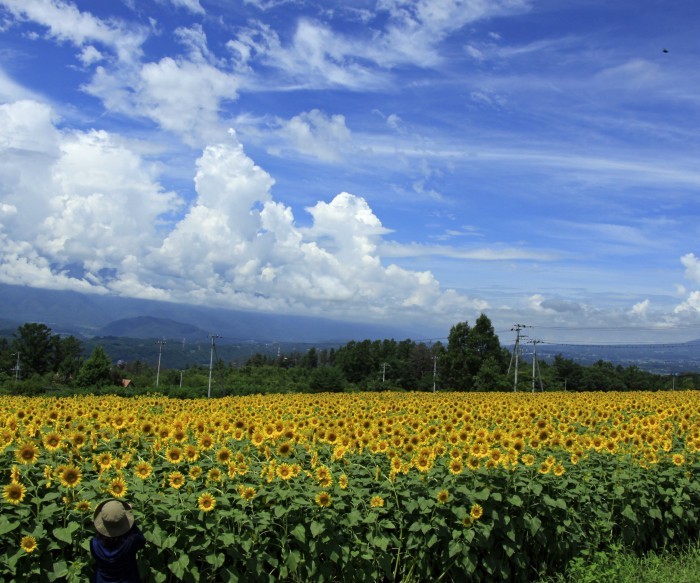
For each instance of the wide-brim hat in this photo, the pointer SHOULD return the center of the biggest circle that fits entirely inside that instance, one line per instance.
(113, 518)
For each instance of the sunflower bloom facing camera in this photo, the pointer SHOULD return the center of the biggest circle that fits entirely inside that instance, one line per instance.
(28, 544)
(206, 502)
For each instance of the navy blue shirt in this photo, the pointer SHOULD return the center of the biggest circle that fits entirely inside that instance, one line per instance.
(117, 564)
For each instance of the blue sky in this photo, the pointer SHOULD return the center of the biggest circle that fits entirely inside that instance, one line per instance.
(413, 163)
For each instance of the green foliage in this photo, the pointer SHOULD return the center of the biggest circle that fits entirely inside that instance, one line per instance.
(33, 342)
(532, 524)
(96, 371)
(387, 364)
(469, 350)
(672, 565)
(45, 360)
(472, 360)
(327, 379)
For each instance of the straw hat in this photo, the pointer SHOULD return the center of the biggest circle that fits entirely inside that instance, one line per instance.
(113, 518)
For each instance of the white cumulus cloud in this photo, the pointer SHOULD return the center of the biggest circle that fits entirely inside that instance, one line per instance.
(692, 267)
(72, 200)
(318, 135)
(82, 210)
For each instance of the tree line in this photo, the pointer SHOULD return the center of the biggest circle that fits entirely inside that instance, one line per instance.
(37, 360)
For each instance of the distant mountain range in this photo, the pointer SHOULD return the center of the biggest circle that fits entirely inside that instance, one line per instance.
(128, 329)
(88, 316)
(670, 358)
(152, 327)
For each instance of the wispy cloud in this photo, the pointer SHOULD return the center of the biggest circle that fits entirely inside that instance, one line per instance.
(65, 22)
(393, 249)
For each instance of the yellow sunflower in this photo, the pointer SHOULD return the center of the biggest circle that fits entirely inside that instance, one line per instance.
(323, 474)
(176, 479)
(376, 502)
(7, 436)
(323, 499)
(206, 502)
(442, 496)
(118, 488)
(195, 472)
(52, 441)
(190, 452)
(284, 449)
(27, 454)
(83, 506)
(474, 463)
(14, 493)
(206, 441)
(70, 477)
(78, 440)
(528, 459)
(456, 466)
(284, 471)
(143, 470)
(247, 493)
(104, 460)
(174, 455)
(28, 544)
(423, 464)
(476, 511)
(223, 456)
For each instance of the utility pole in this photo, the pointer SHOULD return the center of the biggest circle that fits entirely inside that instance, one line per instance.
(384, 365)
(211, 361)
(536, 365)
(516, 351)
(17, 368)
(434, 371)
(160, 344)
(181, 378)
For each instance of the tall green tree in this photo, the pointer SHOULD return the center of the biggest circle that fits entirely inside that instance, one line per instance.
(454, 366)
(468, 349)
(35, 346)
(357, 360)
(96, 371)
(67, 357)
(568, 374)
(327, 379)
(7, 360)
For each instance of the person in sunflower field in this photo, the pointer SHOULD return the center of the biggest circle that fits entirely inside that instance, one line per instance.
(115, 544)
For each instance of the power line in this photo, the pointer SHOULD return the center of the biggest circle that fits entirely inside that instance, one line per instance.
(211, 360)
(621, 345)
(517, 328)
(160, 344)
(536, 365)
(618, 328)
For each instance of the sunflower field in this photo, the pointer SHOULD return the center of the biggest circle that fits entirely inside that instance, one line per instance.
(349, 487)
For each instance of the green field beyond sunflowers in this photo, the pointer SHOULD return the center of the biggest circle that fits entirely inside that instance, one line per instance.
(349, 487)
